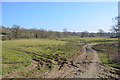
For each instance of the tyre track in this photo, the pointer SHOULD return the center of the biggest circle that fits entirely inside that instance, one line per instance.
(85, 67)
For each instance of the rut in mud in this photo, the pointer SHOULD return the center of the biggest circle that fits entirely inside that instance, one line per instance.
(86, 65)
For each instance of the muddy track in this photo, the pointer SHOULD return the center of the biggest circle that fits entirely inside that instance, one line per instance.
(86, 65)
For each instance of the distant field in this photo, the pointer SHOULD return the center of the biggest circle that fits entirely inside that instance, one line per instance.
(90, 40)
(20, 53)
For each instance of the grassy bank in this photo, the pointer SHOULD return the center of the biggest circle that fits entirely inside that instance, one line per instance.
(108, 54)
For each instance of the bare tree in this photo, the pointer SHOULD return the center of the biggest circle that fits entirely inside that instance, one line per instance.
(101, 32)
(116, 28)
(65, 32)
(15, 31)
(85, 34)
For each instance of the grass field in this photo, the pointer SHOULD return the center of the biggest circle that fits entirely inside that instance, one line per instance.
(17, 54)
(104, 58)
(108, 53)
(16, 51)
(90, 40)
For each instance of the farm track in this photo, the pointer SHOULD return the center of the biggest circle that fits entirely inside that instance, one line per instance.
(86, 65)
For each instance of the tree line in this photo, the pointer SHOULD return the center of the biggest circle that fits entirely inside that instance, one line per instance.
(16, 32)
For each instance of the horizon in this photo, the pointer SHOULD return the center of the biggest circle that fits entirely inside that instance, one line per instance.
(59, 15)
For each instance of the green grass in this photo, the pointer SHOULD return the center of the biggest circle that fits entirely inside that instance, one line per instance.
(42, 69)
(107, 47)
(57, 49)
(2, 35)
(107, 52)
(31, 45)
(90, 39)
(104, 58)
(89, 55)
(51, 48)
(13, 67)
(114, 65)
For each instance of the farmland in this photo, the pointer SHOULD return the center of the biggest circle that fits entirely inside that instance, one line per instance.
(18, 54)
(16, 51)
(59, 40)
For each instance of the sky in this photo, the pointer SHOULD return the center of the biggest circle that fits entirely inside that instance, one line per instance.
(59, 0)
(74, 16)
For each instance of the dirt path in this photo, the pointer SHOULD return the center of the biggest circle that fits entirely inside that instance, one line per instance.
(92, 68)
(86, 65)
(83, 67)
